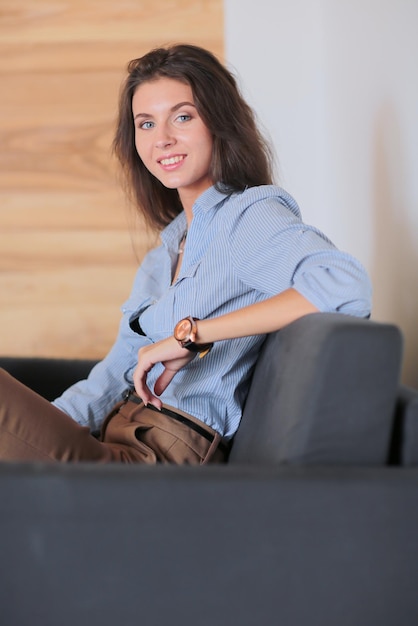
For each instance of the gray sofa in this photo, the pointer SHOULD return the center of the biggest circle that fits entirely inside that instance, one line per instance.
(313, 521)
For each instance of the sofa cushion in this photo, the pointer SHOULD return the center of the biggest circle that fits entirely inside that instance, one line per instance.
(323, 391)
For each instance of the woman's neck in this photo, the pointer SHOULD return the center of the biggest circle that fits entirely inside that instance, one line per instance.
(189, 195)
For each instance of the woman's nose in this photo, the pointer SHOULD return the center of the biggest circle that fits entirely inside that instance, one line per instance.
(164, 138)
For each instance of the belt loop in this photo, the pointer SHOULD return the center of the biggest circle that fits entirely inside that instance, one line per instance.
(212, 449)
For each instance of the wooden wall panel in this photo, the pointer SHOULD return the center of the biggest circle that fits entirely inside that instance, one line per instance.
(68, 251)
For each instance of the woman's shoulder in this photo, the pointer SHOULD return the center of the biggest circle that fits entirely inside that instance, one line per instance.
(267, 201)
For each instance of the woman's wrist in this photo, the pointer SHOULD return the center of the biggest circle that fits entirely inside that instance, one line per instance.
(186, 333)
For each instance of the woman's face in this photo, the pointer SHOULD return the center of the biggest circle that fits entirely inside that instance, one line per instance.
(170, 137)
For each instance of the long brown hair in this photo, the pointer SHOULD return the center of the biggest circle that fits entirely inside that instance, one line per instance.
(240, 158)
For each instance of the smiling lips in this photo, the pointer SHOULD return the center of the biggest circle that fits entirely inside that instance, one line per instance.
(170, 161)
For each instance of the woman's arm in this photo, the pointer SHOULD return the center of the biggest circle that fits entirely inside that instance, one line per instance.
(257, 319)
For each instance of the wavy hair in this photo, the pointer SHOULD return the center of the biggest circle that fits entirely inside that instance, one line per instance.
(241, 157)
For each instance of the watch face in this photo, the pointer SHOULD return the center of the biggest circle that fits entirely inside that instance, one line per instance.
(183, 330)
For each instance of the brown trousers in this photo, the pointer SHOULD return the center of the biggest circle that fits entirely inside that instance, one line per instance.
(32, 429)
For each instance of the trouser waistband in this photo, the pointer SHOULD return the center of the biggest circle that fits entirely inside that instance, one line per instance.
(184, 418)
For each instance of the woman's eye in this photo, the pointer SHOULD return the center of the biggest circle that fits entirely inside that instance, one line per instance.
(146, 125)
(184, 117)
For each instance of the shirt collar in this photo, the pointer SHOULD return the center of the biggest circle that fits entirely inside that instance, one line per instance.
(211, 198)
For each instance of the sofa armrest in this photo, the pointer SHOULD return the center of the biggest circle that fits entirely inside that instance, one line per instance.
(404, 448)
(323, 391)
(210, 545)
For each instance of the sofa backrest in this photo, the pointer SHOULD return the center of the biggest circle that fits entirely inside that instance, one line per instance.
(323, 392)
(47, 376)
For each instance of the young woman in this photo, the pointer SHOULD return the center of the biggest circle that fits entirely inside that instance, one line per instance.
(235, 262)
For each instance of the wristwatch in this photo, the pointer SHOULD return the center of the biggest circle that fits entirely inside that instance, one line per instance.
(185, 332)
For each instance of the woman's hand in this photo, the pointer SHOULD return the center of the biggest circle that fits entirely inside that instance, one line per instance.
(172, 356)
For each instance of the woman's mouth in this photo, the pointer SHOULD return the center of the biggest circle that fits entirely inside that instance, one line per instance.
(169, 162)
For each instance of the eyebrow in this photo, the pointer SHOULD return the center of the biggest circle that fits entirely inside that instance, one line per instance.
(172, 110)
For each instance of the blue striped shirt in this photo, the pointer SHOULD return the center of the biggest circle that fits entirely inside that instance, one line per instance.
(241, 248)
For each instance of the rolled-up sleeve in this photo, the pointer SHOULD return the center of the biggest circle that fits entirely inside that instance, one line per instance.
(334, 281)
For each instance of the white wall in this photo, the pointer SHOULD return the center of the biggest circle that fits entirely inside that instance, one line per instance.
(335, 84)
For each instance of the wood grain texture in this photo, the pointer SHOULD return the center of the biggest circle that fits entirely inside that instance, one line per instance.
(69, 245)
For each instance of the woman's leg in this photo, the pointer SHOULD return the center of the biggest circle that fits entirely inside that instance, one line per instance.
(31, 429)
